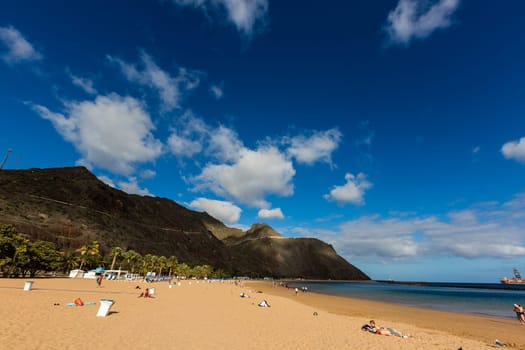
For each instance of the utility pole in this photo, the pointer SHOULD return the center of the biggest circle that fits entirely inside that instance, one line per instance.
(5, 158)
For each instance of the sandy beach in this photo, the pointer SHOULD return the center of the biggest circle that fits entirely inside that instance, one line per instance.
(212, 315)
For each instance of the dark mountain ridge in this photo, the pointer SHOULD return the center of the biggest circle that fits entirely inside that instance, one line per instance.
(70, 207)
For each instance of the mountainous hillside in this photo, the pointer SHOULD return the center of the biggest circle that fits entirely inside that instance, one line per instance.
(301, 257)
(71, 206)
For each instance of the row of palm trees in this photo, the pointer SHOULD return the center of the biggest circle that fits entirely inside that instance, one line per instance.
(20, 257)
(136, 263)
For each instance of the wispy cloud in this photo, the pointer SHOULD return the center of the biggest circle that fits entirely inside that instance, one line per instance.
(247, 16)
(90, 126)
(169, 88)
(132, 187)
(221, 210)
(417, 19)
(352, 192)
(108, 181)
(319, 146)
(486, 230)
(18, 49)
(217, 91)
(514, 150)
(83, 83)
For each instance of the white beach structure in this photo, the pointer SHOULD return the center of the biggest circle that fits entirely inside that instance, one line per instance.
(76, 273)
(115, 274)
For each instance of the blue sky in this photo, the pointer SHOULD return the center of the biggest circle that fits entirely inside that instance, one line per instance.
(393, 130)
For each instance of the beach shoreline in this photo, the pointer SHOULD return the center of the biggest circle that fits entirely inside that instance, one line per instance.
(212, 315)
(484, 328)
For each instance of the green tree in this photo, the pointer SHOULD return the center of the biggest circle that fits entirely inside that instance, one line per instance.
(171, 264)
(220, 273)
(148, 262)
(202, 271)
(184, 270)
(115, 253)
(92, 249)
(41, 256)
(162, 262)
(132, 258)
(69, 261)
(12, 245)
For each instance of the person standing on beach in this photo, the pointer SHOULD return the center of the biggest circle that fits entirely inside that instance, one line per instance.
(99, 280)
(520, 313)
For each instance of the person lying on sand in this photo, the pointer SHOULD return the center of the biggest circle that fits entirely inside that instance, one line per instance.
(264, 303)
(371, 327)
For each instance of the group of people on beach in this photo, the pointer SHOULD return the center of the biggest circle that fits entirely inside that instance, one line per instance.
(146, 293)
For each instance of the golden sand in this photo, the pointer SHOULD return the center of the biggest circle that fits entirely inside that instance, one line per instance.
(211, 315)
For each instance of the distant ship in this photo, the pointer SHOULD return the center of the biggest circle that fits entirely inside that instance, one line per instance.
(517, 279)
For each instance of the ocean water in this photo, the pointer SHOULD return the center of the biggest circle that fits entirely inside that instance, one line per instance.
(495, 300)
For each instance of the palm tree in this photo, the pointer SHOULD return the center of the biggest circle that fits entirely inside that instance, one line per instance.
(162, 261)
(172, 264)
(90, 249)
(183, 270)
(69, 260)
(147, 263)
(115, 252)
(132, 258)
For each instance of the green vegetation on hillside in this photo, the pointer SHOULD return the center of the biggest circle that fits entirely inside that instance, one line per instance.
(20, 257)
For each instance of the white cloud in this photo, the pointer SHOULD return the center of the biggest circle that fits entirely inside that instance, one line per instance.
(351, 192)
(188, 136)
(417, 19)
(233, 171)
(270, 214)
(224, 144)
(317, 147)
(18, 48)
(132, 187)
(514, 150)
(251, 178)
(192, 136)
(247, 175)
(183, 146)
(217, 91)
(485, 231)
(246, 15)
(111, 132)
(107, 180)
(170, 89)
(226, 212)
(148, 174)
(83, 83)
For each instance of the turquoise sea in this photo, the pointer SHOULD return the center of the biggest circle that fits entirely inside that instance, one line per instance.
(486, 299)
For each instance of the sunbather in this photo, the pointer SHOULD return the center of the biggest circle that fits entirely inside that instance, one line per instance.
(371, 327)
(264, 303)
